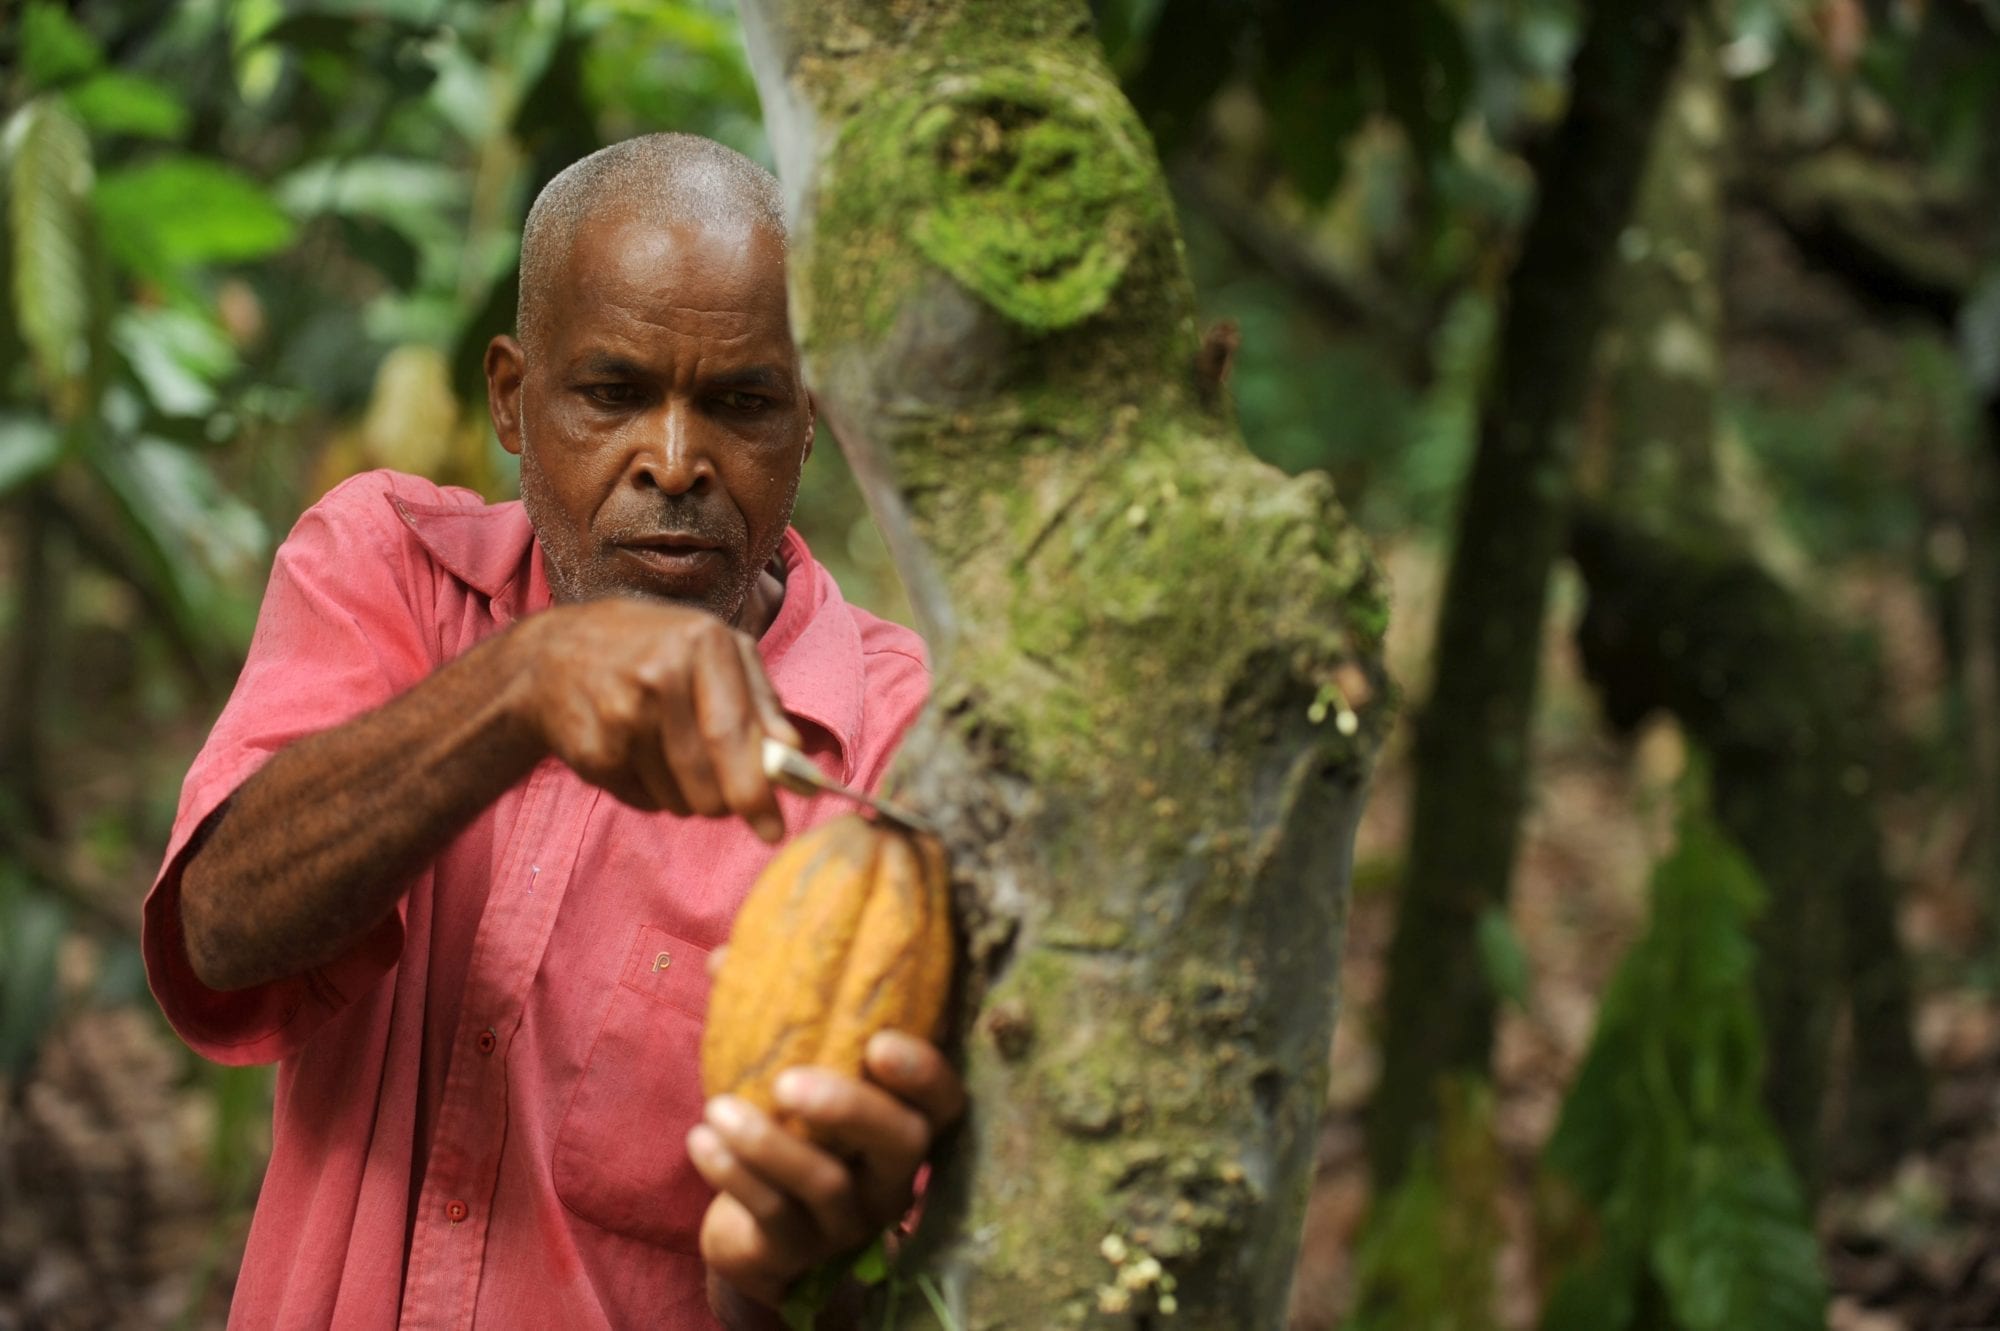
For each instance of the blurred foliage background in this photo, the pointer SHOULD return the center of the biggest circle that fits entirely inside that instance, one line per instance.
(253, 246)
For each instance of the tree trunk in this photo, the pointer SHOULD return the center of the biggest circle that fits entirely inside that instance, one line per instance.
(1733, 647)
(27, 812)
(1157, 662)
(1472, 738)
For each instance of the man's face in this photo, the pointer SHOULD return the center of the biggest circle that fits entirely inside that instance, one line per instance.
(662, 422)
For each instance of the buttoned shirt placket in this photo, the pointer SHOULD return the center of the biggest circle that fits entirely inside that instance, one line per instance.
(454, 1207)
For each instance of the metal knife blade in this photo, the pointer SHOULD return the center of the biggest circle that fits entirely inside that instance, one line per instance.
(787, 767)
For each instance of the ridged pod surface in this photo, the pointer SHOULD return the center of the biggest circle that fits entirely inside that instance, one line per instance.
(847, 932)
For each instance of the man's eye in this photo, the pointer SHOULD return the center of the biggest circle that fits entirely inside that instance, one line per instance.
(612, 395)
(742, 401)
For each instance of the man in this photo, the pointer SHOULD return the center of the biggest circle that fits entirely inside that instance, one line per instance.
(482, 806)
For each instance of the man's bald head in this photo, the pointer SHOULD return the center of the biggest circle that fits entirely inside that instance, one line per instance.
(672, 179)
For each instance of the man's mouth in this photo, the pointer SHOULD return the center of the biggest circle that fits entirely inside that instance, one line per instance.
(678, 560)
(672, 542)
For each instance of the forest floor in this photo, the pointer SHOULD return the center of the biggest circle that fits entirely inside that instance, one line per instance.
(1918, 1250)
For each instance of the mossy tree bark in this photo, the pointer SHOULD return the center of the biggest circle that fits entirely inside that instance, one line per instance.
(1472, 737)
(1685, 618)
(1157, 662)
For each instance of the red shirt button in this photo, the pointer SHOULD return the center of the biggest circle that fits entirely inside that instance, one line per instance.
(486, 1041)
(454, 1211)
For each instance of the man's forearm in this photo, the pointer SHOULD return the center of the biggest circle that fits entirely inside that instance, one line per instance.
(317, 847)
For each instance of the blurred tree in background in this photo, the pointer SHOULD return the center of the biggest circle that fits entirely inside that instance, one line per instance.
(248, 247)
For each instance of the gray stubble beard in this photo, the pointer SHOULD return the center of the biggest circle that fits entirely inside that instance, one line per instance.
(571, 574)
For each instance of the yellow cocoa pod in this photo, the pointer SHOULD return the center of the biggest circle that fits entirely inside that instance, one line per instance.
(847, 932)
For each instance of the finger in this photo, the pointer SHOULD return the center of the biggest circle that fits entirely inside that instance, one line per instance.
(916, 1071)
(810, 1177)
(782, 1222)
(737, 1249)
(770, 712)
(723, 702)
(886, 1137)
(648, 766)
(685, 751)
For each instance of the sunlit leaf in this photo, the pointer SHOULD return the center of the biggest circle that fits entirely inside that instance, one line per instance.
(185, 535)
(222, 533)
(177, 357)
(1979, 337)
(48, 177)
(29, 446)
(115, 103)
(182, 211)
(55, 48)
(417, 196)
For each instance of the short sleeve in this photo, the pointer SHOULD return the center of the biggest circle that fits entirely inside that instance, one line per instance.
(343, 628)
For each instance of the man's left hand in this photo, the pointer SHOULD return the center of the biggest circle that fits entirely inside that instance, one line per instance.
(784, 1204)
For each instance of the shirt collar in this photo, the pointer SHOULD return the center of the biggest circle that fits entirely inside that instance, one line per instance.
(811, 651)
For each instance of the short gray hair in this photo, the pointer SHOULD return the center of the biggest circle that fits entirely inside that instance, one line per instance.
(673, 178)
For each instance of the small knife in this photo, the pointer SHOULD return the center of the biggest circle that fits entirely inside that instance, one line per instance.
(786, 766)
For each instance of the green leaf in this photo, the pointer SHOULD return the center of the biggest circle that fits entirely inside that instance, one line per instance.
(32, 926)
(1979, 337)
(55, 48)
(872, 1266)
(1425, 1260)
(1739, 1251)
(48, 179)
(177, 357)
(1598, 1295)
(935, 1298)
(1665, 1133)
(1503, 958)
(115, 103)
(422, 198)
(187, 536)
(178, 212)
(29, 446)
(242, 1100)
(1123, 27)
(1316, 100)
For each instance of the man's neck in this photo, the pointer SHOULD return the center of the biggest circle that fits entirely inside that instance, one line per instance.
(767, 597)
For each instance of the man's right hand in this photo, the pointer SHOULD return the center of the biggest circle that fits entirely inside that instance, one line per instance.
(665, 707)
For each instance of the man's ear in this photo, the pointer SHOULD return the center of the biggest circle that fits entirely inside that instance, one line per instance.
(505, 368)
(812, 424)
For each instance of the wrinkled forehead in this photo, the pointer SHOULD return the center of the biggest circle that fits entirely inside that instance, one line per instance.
(704, 264)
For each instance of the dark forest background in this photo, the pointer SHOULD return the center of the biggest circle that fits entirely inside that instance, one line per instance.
(1655, 344)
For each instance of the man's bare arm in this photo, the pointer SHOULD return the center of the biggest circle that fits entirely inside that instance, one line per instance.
(663, 707)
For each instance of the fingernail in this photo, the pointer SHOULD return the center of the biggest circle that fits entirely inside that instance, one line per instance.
(892, 1051)
(772, 829)
(726, 1112)
(796, 1089)
(703, 1144)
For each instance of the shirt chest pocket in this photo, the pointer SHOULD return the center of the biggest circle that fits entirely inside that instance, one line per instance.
(621, 1158)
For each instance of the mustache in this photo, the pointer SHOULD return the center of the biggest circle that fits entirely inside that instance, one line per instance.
(682, 515)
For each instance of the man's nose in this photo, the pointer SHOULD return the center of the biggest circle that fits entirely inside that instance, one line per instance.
(673, 458)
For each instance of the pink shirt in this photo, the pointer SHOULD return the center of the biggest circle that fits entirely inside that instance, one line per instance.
(481, 1107)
